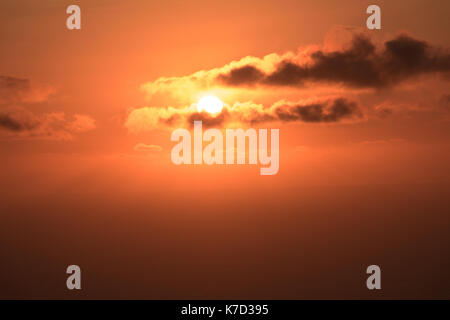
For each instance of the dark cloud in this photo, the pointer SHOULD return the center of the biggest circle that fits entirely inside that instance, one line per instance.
(20, 123)
(8, 122)
(323, 111)
(360, 66)
(241, 76)
(256, 117)
(207, 119)
(333, 111)
(17, 121)
(405, 57)
(170, 121)
(326, 111)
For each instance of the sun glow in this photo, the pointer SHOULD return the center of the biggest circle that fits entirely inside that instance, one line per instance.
(210, 104)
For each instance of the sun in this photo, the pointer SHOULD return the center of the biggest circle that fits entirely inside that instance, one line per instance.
(210, 104)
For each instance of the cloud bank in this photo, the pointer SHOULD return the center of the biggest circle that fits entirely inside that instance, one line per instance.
(360, 66)
(248, 113)
(339, 84)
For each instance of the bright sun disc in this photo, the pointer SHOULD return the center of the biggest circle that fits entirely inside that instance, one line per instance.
(210, 104)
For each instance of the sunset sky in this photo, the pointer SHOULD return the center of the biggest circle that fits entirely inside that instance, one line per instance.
(86, 173)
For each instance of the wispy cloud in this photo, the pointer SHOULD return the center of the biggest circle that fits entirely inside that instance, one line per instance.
(18, 90)
(18, 122)
(147, 148)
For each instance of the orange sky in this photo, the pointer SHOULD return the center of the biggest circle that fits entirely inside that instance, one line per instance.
(73, 107)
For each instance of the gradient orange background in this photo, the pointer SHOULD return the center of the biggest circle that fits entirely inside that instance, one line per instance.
(347, 195)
